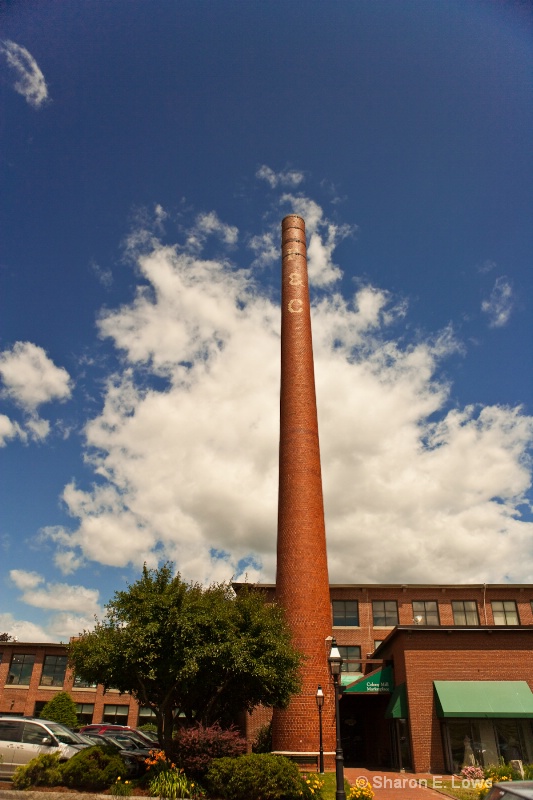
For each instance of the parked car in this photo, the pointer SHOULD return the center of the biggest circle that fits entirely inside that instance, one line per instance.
(102, 727)
(24, 738)
(516, 790)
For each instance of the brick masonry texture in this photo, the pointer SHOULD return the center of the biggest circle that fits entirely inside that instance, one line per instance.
(302, 586)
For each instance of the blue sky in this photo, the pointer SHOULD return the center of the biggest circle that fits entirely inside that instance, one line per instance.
(148, 154)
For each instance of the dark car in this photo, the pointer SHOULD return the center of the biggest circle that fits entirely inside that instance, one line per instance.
(515, 790)
(102, 727)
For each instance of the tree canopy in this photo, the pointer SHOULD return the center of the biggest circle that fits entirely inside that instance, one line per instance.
(183, 650)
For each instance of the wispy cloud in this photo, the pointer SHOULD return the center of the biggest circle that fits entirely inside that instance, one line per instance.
(30, 81)
(288, 178)
(499, 305)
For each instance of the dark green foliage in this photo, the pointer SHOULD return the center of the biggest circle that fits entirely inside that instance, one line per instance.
(61, 708)
(44, 770)
(94, 768)
(196, 747)
(185, 649)
(257, 776)
(263, 740)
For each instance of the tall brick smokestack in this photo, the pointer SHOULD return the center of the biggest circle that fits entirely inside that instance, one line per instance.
(302, 585)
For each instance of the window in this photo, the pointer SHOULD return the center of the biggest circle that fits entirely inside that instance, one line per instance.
(20, 670)
(84, 712)
(385, 612)
(345, 613)
(428, 610)
(116, 715)
(351, 658)
(81, 684)
(465, 612)
(10, 731)
(504, 612)
(54, 669)
(38, 707)
(377, 643)
(35, 734)
(146, 715)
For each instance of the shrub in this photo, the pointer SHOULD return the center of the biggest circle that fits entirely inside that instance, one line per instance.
(61, 708)
(263, 740)
(44, 770)
(501, 772)
(196, 747)
(94, 768)
(259, 776)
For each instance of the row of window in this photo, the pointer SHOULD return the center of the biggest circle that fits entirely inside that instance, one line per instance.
(53, 674)
(425, 612)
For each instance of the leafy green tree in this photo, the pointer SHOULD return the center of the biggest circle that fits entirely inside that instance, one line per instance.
(185, 650)
(61, 708)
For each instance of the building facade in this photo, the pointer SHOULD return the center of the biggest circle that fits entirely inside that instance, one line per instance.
(434, 677)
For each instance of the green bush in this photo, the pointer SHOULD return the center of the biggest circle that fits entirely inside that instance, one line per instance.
(258, 776)
(44, 770)
(501, 772)
(263, 740)
(61, 708)
(94, 768)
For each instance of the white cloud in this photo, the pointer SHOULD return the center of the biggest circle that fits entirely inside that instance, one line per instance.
(500, 303)
(189, 472)
(25, 580)
(290, 177)
(31, 378)
(55, 596)
(23, 630)
(30, 83)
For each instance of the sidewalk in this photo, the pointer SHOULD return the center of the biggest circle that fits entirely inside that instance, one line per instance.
(395, 785)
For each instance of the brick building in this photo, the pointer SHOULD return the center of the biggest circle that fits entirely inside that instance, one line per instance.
(434, 676)
(429, 672)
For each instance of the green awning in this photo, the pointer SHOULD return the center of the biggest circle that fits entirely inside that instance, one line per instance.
(380, 681)
(397, 708)
(483, 699)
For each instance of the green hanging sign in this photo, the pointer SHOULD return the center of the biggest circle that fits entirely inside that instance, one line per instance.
(380, 681)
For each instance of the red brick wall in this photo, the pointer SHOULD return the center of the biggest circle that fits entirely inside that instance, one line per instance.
(423, 656)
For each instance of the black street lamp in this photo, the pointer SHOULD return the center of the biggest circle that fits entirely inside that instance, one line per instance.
(335, 666)
(320, 704)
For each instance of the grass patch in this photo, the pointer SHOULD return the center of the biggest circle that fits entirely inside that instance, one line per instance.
(330, 786)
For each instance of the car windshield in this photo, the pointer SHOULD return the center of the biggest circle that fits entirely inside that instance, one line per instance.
(126, 742)
(64, 735)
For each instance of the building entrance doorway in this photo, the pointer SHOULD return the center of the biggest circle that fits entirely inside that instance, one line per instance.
(365, 731)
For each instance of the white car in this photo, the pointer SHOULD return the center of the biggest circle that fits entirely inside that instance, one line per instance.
(22, 739)
(515, 790)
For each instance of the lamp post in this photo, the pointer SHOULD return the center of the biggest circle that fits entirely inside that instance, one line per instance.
(335, 666)
(320, 704)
